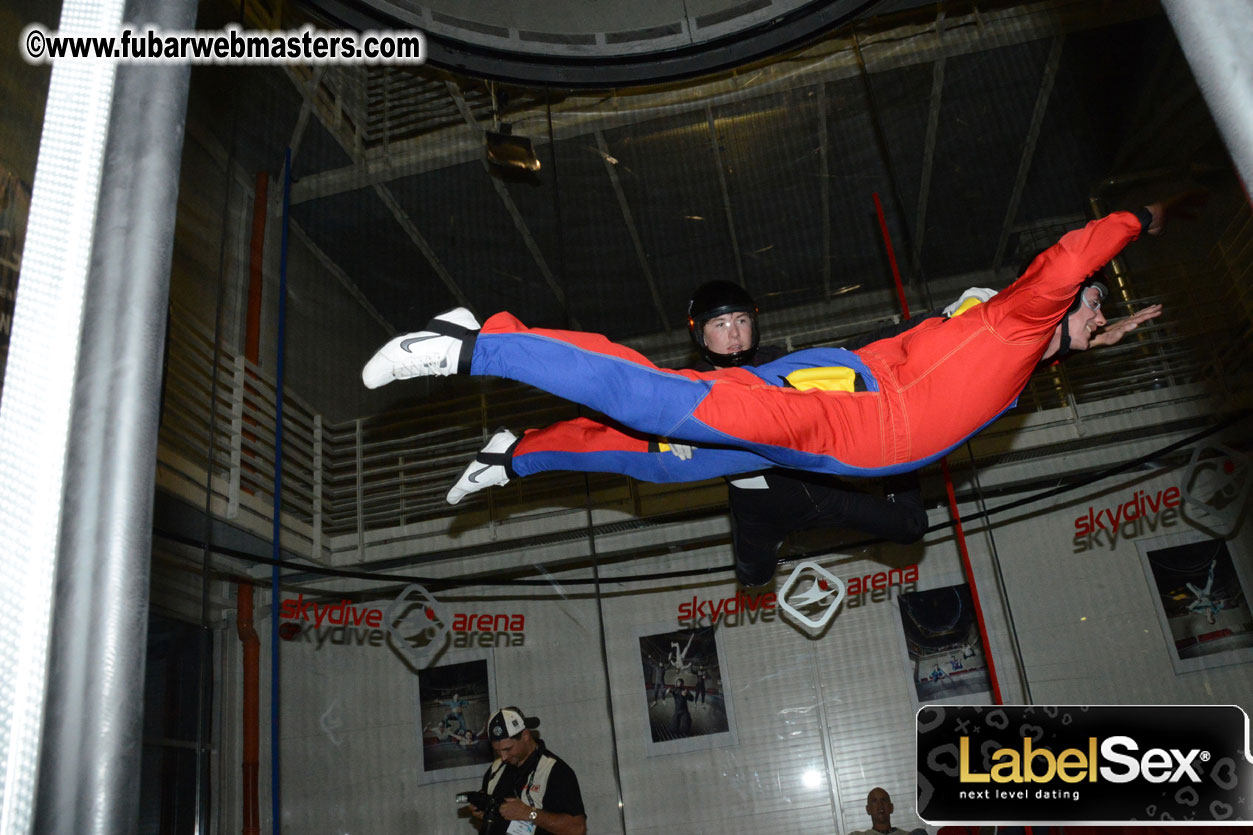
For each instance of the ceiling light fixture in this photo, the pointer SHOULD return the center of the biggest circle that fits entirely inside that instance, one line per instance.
(508, 153)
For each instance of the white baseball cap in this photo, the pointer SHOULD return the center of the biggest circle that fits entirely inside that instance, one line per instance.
(509, 721)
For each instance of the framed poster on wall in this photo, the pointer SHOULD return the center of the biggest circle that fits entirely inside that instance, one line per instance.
(1200, 595)
(946, 659)
(684, 690)
(454, 703)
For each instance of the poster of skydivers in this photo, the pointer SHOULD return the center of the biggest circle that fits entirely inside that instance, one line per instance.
(455, 704)
(684, 691)
(1200, 600)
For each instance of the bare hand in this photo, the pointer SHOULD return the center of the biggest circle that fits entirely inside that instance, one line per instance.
(1113, 334)
(514, 810)
(1183, 204)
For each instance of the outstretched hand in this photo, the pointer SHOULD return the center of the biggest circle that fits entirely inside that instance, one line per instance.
(1183, 204)
(1113, 333)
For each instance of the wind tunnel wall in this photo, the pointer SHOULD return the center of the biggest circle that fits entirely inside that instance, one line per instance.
(984, 135)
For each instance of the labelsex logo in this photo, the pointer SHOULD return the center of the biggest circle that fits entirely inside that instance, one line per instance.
(1091, 764)
(1156, 765)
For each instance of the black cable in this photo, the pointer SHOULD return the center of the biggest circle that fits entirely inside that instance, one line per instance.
(204, 678)
(885, 155)
(1112, 471)
(587, 480)
(1000, 587)
(470, 581)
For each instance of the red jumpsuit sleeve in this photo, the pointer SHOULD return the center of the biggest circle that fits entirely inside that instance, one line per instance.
(1032, 304)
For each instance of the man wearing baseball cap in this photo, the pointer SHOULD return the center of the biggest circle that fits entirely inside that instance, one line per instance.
(533, 786)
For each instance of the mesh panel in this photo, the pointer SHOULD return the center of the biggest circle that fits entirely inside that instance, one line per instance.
(985, 134)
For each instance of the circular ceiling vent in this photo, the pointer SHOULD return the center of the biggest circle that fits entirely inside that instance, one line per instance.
(597, 43)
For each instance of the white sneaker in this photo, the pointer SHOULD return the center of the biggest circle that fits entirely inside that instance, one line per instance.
(487, 469)
(433, 352)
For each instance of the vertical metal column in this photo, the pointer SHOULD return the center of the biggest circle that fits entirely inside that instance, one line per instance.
(91, 752)
(38, 390)
(1217, 38)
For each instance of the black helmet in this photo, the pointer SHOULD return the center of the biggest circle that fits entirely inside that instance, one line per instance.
(714, 298)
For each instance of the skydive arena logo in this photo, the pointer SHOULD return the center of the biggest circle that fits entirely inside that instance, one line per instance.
(1099, 765)
(1216, 488)
(414, 623)
(811, 595)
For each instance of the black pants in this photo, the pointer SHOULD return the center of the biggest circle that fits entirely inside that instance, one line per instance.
(682, 725)
(798, 501)
(762, 519)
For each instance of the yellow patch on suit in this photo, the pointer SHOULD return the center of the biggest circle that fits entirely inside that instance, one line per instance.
(839, 378)
(833, 378)
(966, 305)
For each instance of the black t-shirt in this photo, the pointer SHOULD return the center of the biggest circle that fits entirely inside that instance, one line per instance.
(543, 781)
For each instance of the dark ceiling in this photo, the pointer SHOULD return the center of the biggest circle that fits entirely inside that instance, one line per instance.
(981, 128)
(581, 44)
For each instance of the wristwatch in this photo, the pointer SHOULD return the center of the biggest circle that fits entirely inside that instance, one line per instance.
(534, 813)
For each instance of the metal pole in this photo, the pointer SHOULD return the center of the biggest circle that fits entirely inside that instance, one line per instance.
(1217, 39)
(89, 768)
(276, 572)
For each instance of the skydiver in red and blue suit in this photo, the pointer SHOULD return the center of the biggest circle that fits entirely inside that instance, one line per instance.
(889, 407)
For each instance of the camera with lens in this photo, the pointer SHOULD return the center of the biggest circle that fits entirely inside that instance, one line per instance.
(485, 803)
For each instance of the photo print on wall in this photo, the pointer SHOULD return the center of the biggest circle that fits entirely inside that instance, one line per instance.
(684, 690)
(946, 658)
(1200, 600)
(454, 704)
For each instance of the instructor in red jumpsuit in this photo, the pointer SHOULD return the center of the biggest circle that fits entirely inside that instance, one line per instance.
(914, 397)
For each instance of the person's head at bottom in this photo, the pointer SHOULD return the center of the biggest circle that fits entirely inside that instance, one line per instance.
(879, 807)
(722, 320)
(510, 732)
(536, 790)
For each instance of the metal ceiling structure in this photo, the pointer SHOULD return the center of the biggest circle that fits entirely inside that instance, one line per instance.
(976, 125)
(571, 44)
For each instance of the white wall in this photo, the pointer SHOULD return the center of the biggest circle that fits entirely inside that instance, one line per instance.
(840, 704)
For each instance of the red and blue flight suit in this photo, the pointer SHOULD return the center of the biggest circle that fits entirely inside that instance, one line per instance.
(915, 396)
